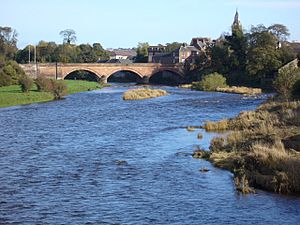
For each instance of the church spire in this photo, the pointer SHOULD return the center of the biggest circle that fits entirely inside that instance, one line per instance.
(236, 23)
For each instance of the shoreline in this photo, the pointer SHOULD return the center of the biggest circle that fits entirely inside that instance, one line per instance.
(262, 149)
(13, 96)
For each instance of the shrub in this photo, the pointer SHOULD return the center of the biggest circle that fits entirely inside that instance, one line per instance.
(17, 68)
(285, 81)
(11, 73)
(26, 83)
(217, 144)
(58, 89)
(43, 84)
(210, 82)
(5, 79)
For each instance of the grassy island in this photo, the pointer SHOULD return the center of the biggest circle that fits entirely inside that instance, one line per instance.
(262, 148)
(240, 90)
(13, 95)
(142, 93)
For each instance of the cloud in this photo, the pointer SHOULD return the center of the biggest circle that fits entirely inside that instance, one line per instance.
(266, 4)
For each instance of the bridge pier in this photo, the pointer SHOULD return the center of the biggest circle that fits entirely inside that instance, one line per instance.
(145, 80)
(103, 80)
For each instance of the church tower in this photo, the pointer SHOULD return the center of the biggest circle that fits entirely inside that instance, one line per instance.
(236, 23)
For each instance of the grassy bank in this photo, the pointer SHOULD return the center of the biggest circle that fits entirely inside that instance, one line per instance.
(262, 148)
(139, 94)
(12, 95)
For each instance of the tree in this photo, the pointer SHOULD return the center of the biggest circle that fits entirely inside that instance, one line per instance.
(8, 42)
(237, 43)
(100, 53)
(5, 80)
(172, 46)
(86, 54)
(280, 31)
(285, 81)
(69, 36)
(142, 52)
(263, 57)
(220, 58)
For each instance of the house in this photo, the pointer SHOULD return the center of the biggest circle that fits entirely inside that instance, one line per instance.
(294, 45)
(122, 53)
(155, 50)
(202, 43)
(179, 55)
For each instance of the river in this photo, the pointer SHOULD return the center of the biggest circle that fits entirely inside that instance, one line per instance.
(96, 159)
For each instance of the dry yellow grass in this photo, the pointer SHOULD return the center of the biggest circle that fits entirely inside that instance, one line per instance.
(240, 90)
(190, 128)
(185, 86)
(261, 147)
(221, 125)
(139, 94)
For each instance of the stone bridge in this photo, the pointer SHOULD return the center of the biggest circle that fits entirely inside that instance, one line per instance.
(102, 70)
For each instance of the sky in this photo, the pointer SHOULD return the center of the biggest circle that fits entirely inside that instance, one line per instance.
(124, 23)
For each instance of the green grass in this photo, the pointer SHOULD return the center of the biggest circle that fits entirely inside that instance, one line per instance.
(12, 95)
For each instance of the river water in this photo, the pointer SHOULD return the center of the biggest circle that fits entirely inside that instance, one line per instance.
(96, 159)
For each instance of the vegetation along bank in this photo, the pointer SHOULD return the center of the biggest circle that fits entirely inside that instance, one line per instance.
(13, 94)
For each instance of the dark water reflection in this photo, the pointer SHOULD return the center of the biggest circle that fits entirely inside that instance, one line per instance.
(96, 159)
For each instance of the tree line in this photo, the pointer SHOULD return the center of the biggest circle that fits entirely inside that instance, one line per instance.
(246, 58)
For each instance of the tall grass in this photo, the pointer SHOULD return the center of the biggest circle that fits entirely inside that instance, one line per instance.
(221, 125)
(258, 147)
(139, 94)
(240, 90)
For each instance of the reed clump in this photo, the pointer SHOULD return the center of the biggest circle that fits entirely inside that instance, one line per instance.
(221, 125)
(240, 90)
(261, 148)
(143, 93)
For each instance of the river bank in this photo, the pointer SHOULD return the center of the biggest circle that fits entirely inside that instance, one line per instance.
(262, 147)
(12, 95)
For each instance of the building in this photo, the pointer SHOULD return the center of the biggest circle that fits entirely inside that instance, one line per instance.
(294, 45)
(202, 43)
(155, 50)
(122, 54)
(179, 55)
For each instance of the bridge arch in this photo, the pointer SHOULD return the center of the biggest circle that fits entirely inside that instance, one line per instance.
(124, 75)
(97, 75)
(167, 77)
(125, 70)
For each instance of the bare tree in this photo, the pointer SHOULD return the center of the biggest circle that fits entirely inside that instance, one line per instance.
(69, 36)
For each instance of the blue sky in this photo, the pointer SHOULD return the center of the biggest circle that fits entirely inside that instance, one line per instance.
(124, 23)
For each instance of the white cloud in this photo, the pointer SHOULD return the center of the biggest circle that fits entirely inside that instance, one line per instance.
(266, 4)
